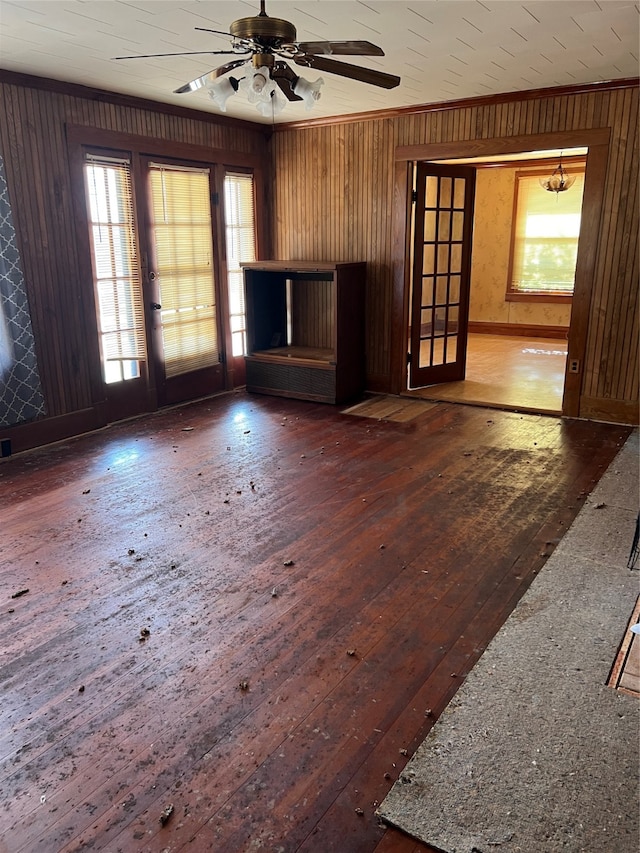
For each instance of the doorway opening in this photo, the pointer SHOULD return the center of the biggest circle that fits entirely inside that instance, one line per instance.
(517, 348)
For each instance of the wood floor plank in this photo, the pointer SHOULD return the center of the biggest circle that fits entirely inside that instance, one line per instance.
(526, 374)
(407, 544)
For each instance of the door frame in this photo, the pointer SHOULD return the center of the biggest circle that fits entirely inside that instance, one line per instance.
(597, 141)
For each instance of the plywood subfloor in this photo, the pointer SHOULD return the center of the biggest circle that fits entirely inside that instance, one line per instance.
(520, 373)
(390, 408)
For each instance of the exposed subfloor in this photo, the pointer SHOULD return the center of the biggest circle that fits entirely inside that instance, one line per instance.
(536, 752)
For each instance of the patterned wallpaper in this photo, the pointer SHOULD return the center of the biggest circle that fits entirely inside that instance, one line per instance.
(490, 258)
(20, 394)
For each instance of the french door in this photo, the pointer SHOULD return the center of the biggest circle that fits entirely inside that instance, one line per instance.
(441, 273)
(159, 262)
(117, 283)
(182, 282)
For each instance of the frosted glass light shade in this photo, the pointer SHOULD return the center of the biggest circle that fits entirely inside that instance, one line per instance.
(221, 91)
(271, 102)
(309, 92)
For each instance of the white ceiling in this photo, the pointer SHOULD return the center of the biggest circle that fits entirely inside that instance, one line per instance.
(442, 49)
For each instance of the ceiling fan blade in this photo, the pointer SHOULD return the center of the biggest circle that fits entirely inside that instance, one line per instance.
(189, 53)
(286, 78)
(209, 77)
(337, 48)
(355, 72)
(217, 32)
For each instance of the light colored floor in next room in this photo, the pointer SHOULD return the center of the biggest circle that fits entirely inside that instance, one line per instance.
(508, 372)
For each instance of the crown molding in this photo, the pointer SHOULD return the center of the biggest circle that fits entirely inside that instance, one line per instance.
(480, 101)
(77, 90)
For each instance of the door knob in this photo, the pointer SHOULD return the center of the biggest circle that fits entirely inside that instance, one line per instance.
(155, 305)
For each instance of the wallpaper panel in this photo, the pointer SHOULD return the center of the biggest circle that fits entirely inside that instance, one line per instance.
(20, 393)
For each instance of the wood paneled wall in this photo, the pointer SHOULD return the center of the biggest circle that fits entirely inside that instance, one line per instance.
(312, 314)
(333, 198)
(33, 143)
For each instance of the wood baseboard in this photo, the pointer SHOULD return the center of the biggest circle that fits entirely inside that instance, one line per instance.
(378, 383)
(610, 411)
(48, 430)
(519, 329)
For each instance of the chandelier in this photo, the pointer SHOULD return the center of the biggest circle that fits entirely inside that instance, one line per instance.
(558, 181)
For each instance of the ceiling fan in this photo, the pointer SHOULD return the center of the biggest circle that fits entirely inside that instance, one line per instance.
(266, 42)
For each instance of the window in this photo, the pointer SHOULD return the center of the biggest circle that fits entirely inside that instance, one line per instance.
(545, 234)
(116, 272)
(241, 248)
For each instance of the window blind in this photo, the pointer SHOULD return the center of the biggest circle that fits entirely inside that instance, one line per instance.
(545, 246)
(241, 248)
(182, 230)
(116, 269)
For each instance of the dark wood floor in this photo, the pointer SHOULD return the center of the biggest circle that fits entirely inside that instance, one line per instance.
(273, 704)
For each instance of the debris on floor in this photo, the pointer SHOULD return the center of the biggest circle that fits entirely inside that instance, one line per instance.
(166, 814)
(20, 593)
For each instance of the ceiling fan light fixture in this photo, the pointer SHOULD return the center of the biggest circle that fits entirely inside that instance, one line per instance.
(272, 102)
(264, 43)
(256, 83)
(222, 90)
(309, 92)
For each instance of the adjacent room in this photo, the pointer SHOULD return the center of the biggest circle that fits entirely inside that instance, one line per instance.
(318, 354)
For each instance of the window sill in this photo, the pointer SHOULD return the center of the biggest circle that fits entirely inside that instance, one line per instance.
(539, 297)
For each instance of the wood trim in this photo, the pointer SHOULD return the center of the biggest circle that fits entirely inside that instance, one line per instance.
(611, 411)
(378, 383)
(504, 145)
(595, 175)
(548, 162)
(300, 266)
(464, 103)
(401, 263)
(548, 298)
(221, 284)
(78, 90)
(85, 269)
(146, 145)
(49, 430)
(525, 330)
(592, 207)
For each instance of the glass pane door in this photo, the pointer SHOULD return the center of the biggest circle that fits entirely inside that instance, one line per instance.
(182, 269)
(116, 271)
(441, 273)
